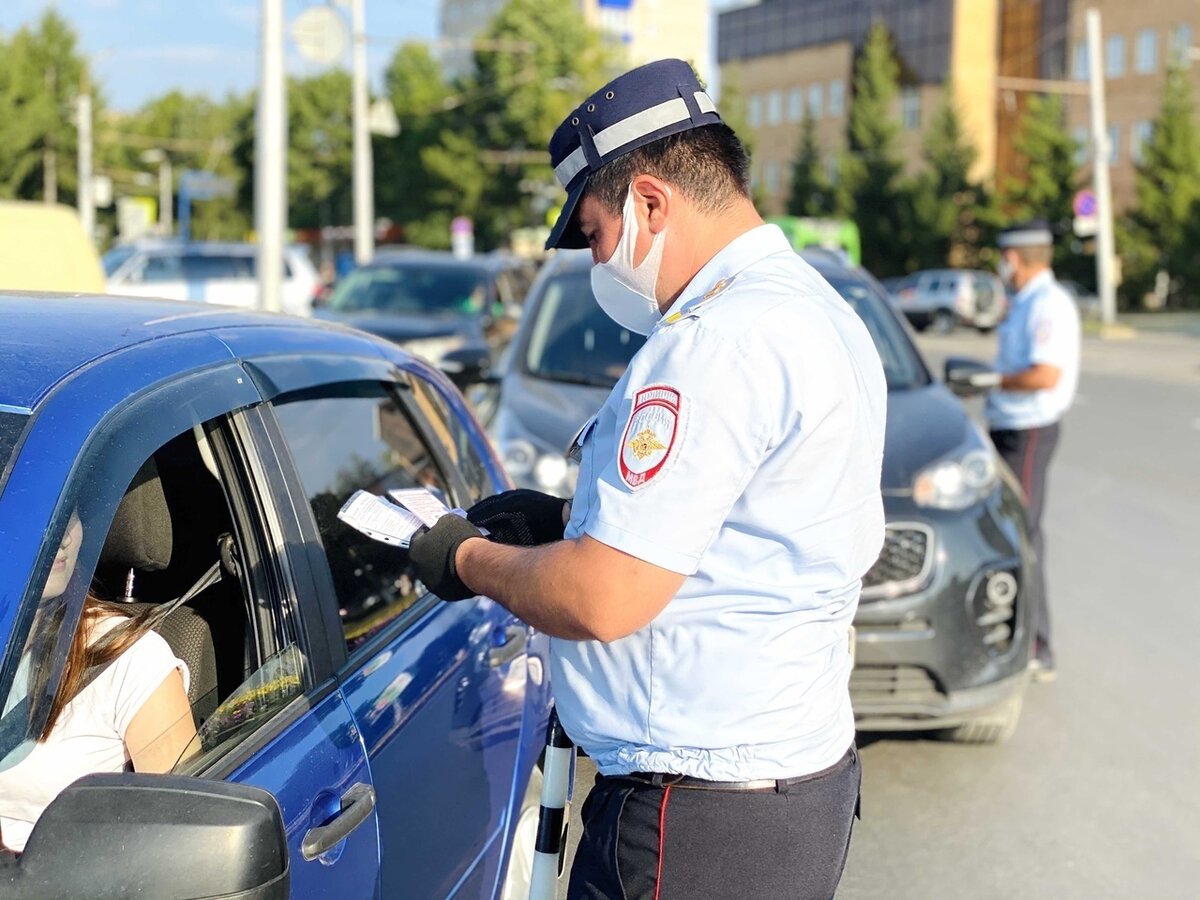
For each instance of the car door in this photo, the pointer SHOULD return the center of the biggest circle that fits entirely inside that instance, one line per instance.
(436, 689)
(279, 721)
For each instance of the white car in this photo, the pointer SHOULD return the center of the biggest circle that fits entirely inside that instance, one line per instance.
(209, 272)
(945, 297)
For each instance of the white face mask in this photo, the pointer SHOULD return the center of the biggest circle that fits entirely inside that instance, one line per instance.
(626, 292)
(1005, 270)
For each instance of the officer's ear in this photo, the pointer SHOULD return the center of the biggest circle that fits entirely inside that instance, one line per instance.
(653, 198)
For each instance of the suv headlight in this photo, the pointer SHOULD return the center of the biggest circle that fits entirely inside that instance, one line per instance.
(960, 480)
(548, 471)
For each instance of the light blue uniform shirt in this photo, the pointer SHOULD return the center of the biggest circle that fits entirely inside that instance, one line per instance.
(743, 449)
(1042, 326)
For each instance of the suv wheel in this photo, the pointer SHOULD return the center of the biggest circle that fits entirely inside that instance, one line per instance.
(944, 321)
(994, 727)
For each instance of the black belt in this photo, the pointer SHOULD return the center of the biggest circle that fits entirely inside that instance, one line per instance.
(759, 785)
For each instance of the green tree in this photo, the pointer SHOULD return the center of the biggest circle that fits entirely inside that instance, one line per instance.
(41, 70)
(1160, 231)
(870, 189)
(320, 150)
(812, 191)
(947, 203)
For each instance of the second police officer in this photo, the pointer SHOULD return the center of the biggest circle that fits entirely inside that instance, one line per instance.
(728, 505)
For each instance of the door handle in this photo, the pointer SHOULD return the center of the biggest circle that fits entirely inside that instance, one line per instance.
(357, 805)
(516, 636)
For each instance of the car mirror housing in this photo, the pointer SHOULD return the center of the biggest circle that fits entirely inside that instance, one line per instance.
(968, 377)
(467, 365)
(163, 836)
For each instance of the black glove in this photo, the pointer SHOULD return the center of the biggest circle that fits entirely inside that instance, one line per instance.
(432, 554)
(520, 518)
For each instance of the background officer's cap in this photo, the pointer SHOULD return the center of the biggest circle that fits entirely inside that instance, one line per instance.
(1034, 233)
(641, 106)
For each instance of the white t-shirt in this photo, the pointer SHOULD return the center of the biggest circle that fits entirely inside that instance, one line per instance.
(89, 736)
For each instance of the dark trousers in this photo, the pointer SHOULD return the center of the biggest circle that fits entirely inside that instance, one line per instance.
(1028, 454)
(648, 842)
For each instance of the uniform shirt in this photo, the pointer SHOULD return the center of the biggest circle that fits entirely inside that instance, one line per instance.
(1042, 326)
(742, 448)
(89, 735)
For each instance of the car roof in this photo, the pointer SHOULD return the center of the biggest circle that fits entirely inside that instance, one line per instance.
(47, 336)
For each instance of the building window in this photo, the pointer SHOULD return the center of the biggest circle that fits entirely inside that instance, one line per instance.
(1114, 56)
(1181, 41)
(754, 111)
(1146, 52)
(815, 101)
(1114, 144)
(796, 105)
(1138, 138)
(1081, 137)
(910, 108)
(772, 178)
(1079, 69)
(774, 107)
(837, 97)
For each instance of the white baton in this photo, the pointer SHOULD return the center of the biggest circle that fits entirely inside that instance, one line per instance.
(552, 817)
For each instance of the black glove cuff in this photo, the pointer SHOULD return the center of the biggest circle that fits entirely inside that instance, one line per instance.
(433, 556)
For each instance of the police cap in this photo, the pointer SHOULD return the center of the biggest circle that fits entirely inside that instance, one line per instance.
(643, 105)
(1034, 233)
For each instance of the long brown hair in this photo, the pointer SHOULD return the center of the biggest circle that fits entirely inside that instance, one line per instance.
(86, 654)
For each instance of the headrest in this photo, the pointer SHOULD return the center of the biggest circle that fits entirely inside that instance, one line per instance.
(141, 537)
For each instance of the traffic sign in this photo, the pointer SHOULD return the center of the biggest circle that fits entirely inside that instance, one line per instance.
(320, 35)
(1084, 203)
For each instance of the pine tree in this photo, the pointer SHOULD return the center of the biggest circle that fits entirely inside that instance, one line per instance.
(946, 200)
(812, 191)
(1159, 232)
(869, 186)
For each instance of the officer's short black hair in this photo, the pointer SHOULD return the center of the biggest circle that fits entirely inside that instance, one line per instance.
(708, 164)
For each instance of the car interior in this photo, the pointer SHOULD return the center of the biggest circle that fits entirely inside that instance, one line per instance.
(173, 546)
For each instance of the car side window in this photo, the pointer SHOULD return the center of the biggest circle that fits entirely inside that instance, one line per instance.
(341, 444)
(216, 267)
(161, 267)
(456, 440)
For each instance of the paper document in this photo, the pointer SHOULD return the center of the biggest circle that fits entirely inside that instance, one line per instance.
(421, 503)
(380, 519)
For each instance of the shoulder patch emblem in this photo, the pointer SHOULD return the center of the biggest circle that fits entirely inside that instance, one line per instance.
(651, 435)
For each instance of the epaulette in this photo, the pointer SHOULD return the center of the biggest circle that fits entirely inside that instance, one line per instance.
(692, 307)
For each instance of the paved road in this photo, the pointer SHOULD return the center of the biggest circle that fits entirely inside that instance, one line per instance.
(1098, 794)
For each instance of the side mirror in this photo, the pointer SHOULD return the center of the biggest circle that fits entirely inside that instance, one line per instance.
(163, 836)
(967, 377)
(467, 365)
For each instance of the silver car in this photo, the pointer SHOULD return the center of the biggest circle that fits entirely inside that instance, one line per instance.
(943, 298)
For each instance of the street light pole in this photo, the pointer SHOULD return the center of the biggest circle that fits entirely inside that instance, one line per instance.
(86, 198)
(1101, 154)
(364, 201)
(270, 159)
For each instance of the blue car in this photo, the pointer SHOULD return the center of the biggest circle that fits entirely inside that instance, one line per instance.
(356, 736)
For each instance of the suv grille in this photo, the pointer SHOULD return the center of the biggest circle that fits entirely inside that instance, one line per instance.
(892, 684)
(903, 563)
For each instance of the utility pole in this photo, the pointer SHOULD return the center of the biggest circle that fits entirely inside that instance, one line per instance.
(1101, 153)
(270, 158)
(85, 197)
(364, 178)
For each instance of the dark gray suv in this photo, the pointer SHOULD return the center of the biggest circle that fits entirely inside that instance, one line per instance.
(943, 629)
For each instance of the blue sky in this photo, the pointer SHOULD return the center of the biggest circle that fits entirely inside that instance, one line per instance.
(143, 48)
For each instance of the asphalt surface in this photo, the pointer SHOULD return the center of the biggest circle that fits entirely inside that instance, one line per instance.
(1098, 793)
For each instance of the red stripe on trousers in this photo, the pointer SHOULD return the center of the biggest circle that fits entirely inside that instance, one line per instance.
(662, 837)
(1027, 468)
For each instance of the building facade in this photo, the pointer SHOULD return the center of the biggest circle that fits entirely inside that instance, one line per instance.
(638, 30)
(791, 55)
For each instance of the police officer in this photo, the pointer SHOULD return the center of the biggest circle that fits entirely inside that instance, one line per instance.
(728, 505)
(1039, 363)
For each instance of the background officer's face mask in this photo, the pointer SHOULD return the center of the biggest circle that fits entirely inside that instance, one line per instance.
(624, 291)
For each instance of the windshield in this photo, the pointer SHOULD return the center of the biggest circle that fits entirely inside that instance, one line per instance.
(11, 426)
(115, 258)
(425, 288)
(901, 365)
(573, 340)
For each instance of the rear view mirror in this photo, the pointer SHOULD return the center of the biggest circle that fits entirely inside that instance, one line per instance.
(162, 836)
(967, 377)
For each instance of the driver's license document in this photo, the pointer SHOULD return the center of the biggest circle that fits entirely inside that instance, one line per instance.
(380, 519)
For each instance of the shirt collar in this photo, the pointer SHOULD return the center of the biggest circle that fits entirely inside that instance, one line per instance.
(1034, 285)
(739, 254)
